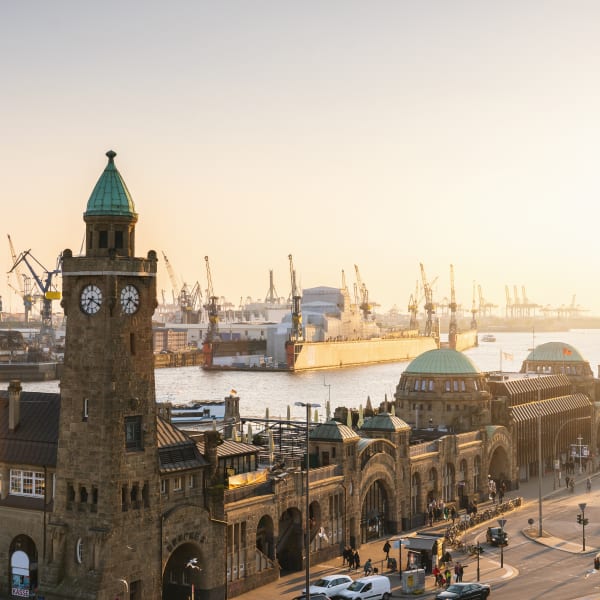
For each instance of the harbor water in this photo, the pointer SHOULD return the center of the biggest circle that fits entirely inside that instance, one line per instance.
(341, 387)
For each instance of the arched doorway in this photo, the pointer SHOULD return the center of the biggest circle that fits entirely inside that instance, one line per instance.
(265, 537)
(23, 567)
(290, 543)
(499, 467)
(183, 572)
(374, 513)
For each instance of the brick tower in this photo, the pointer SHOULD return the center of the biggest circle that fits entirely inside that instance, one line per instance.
(105, 534)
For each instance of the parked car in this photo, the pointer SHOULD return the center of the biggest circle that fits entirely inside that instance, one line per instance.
(472, 591)
(374, 587)
(496, 536)
(313, 597)
(329, 585)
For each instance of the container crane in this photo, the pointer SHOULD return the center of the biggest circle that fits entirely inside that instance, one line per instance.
(47, 336)
(296, 334)
(365, 306)
(271, 297)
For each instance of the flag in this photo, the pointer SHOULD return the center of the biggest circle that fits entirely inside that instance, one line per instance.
(507, 356)
(566, 352)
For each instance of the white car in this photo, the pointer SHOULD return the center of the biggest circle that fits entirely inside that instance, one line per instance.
(330, 585)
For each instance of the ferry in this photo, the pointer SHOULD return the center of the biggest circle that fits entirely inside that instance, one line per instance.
(488, 337)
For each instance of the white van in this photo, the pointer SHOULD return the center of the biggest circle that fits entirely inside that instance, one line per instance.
(374, 587)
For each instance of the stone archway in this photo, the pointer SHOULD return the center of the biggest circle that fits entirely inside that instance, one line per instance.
(290, 543)
(374, 511)
(182, 577)
(499, 466)
(265, 537)
(23, 566)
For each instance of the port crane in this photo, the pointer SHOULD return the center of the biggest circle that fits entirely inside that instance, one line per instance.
(452, 327)
(429, 307)
(24, 283)
(296, 334)
(211, 307)
(474, 309)
(48, 293)
(363, 292)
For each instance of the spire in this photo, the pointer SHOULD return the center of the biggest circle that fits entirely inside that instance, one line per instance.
(111, 196)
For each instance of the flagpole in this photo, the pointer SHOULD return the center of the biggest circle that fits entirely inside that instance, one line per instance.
(500, 360)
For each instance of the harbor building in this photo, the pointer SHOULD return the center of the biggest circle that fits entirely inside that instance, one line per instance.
(102, 497)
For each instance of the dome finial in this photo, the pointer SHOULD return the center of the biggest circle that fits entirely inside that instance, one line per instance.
(111, 155)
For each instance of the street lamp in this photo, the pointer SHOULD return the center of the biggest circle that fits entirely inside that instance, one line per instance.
(502, 523)
(308, 406)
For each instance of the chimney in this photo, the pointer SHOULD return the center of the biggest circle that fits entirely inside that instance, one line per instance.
(14, 404)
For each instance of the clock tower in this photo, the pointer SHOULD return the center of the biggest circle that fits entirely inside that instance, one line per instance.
(105, 533)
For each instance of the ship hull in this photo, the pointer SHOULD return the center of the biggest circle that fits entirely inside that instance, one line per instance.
(466, 339)
(334, 355)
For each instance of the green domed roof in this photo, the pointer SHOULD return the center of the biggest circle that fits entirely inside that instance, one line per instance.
(110, 196)
(333, 431)
(385, 422)
(555, 351)
(442, 361)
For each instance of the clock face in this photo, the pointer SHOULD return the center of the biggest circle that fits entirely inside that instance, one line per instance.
(130, 299)
(91, 299)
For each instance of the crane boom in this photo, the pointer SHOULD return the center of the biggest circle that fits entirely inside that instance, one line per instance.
(174, 283)
(211, 307)
(296, 331)
(365, 306)
(453, 327)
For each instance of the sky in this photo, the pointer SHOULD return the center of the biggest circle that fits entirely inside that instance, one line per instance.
(382, 134)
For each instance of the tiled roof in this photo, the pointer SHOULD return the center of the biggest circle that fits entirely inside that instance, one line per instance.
(552, 406)
(176, 451)
(333, 431)
(35, 440)
(231, 448)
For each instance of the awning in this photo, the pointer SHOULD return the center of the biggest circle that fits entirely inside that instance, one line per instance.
(553, 406)
(420, 543)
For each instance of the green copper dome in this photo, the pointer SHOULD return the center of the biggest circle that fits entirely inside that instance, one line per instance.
(333, 431)
(385, 422)
(555, 351)
(442, 362)
(110, 196)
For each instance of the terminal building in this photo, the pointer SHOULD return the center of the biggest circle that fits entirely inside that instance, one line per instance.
(102, 497)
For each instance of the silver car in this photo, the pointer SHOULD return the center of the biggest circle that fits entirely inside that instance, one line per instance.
(330, 585)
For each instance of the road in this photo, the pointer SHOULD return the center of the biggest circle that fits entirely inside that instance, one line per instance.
(559, 570)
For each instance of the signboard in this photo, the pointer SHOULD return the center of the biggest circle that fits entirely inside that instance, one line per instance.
(580, 451)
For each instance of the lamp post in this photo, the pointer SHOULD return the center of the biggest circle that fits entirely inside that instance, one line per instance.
(502, 523)
(308, 406)
(478, 553)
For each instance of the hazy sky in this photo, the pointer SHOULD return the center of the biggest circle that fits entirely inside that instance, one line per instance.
(382, 134)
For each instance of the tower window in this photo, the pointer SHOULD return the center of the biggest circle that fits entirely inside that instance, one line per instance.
(85, 409)
(118, 239)
(103, 241)
(133, 433)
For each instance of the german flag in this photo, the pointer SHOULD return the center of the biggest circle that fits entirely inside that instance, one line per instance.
(566, 352)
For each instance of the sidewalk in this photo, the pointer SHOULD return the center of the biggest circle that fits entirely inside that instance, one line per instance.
(290, 586)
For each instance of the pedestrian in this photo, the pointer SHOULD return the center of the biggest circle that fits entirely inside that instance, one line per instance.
(567, 481)
(453, 514)
(588, 484)
(448, 576)
(436, 575)
(356, 557)
(368, 568)
(456, 572)
(386, 549)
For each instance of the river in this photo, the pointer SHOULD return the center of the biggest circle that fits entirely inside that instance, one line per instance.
(342, 387)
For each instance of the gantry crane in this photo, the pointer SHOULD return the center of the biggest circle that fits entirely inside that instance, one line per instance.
(413, 308)
(211, 307)
(271, 297)
(363, 292)
(48, 294)
(452, 327)
(296, 334)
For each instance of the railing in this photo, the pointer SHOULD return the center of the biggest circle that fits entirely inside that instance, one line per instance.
(424, 448)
